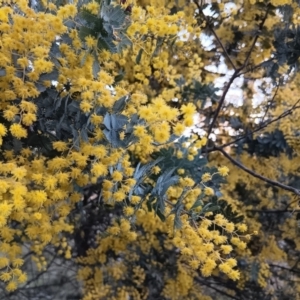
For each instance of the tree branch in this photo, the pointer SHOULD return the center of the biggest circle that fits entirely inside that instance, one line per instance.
(285, 268)
(236, 73)
(269, 104)
(214, 288)
(286, 113)
(257, 66)
(291, 203)
(221, 101)
(214, 34)
(254, 174)
(261, 25)
(274, 211)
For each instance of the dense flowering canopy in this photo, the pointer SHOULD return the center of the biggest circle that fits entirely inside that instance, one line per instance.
(96, 164)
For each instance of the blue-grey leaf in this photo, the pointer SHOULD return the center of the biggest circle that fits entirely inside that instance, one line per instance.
(197, 203)
(65, 38)
(140, 172)
(120, 104)
(118, 121)
(84, 135)
(2, 72)
(107, 121)
(57, 103)
(65, 126)
(40, 87)
(49, 76)
(83, 60)
(73, 107)
(171, 181)
(112, 137)
(76, 141)
(96, 68)
(139, 56)
(113, 15)
(17, 144)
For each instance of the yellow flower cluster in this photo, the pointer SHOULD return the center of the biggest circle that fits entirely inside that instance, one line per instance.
(280, 2)
(120, 235)
(206, 249)
(32, 206)
(155, 66)
(38, 192)
(201, 248)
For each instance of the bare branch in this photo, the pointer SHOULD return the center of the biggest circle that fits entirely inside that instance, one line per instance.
(254, 174)
(236, 72)
(291, 203)
(221, 101)
(256, 66)
(274, 211)
(286, 113)
(214, 34)
(285, 268)
(270, 103)
(210, 285)
(255, 40)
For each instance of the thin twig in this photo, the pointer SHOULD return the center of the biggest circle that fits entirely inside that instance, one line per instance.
(215, 34)
(295, 265)
(254, 174)
(221, 101)
(291, 203)
(235, 75)
(204, 282)
(257, 66)
(273, 211)
(270, 104)
(286, 113)
(285, 268)
(261, 25)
